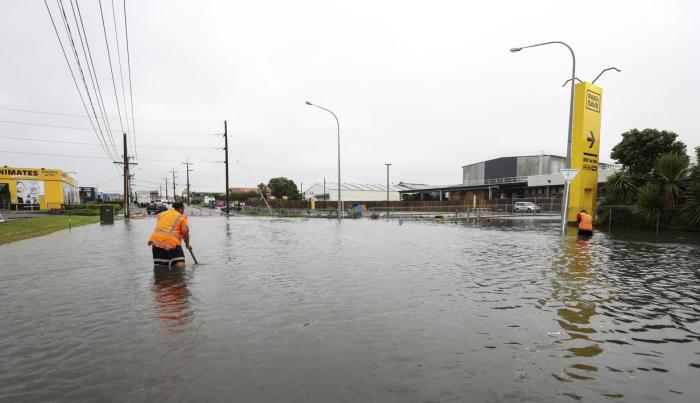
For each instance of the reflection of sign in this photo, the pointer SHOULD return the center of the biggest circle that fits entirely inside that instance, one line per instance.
(585, 148)
(592, 100)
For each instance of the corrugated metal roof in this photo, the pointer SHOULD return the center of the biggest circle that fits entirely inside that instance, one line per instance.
(361, 187)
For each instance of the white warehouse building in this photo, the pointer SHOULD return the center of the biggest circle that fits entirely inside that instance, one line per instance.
(352, 192)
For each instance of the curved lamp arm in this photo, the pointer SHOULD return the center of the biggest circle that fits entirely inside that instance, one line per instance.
(604, 70)
(567, 81)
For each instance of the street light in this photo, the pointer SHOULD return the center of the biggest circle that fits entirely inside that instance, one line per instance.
(567, 164)
(387, 189)
(340, 203)
(596, 79)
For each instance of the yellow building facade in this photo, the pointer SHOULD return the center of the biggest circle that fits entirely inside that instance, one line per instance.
(36, 189)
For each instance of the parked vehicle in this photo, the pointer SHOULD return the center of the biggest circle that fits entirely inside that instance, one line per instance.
(526, 207)
(155, 208)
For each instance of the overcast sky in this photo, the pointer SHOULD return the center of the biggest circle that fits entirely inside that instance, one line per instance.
(427, 86)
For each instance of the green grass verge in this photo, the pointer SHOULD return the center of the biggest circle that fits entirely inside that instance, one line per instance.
(25, 228)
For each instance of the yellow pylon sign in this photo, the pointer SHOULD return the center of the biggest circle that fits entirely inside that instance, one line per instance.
(585, 146)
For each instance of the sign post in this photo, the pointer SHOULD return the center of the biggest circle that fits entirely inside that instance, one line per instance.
(585, 148)
(568, 175)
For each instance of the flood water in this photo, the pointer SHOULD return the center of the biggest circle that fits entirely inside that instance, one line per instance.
(312, 310)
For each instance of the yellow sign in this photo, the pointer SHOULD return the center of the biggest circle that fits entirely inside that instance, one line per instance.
(585, 146)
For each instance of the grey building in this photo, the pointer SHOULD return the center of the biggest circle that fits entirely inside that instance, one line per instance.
(527, 176)
(512, 167)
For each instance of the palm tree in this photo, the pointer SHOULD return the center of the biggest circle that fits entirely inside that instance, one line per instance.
(649, 202)
(672, 172)
(621, 188)
(692, 203)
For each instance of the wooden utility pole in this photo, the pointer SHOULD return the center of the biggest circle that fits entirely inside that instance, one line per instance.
(187, 165)
(166, 188)
(125, 163)
(226, 162)
(174, 192)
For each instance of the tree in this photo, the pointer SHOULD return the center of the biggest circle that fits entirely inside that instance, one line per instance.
(695, 170)
(639, 150)
(671, 171)
(621, 189)
(692, 203)
(281, 187)
(263, 190)
(649, 202)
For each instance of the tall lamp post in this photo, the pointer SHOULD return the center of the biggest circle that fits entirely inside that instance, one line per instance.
(340, 202)
(567, 164)
(387, 189)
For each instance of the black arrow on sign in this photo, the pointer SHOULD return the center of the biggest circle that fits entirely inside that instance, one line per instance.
(591, 138)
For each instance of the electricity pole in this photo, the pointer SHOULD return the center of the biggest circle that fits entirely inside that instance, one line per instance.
(226, 162)
(174, 193)
(387, 189)
(166, 188)
(127, 177)
(187, 164)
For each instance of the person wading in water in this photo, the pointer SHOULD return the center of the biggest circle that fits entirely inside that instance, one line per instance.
(171, 228)
(585, 224)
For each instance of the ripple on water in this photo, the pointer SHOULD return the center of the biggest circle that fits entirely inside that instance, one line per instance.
(316, 310)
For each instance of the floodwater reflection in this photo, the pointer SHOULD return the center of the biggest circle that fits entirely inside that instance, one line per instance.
(314, 310)
(171, 299)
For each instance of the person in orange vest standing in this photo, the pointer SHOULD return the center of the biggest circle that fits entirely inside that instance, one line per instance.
(171, 229)
(585, 224)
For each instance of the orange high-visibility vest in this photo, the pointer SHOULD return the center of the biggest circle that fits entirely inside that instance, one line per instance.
(586, 222)
(170, 228)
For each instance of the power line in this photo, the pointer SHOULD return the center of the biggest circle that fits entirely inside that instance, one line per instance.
(96, 157)
(111, 70)
(80, 69)
(91, 67)
(97, 144)
(70, 69)
(108, 117)
(121, 78)
(128, 62)
(16, 122)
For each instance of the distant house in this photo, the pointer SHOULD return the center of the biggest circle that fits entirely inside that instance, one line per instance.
(352, 192)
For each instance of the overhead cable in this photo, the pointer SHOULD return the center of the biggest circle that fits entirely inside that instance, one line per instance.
(128, 63)
(109, 117)
(16, 122)
(91, 68)
(80, 69)
(97, 144)
(70, 69)
(121, 80)
(98, 157)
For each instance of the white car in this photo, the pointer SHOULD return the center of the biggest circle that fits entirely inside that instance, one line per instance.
(526, 207)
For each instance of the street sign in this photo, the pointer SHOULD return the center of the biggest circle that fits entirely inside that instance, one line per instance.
(569, 174)
(591, 139)
(585, 148)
